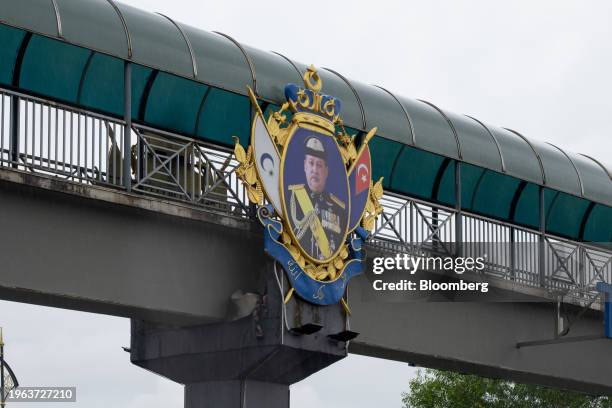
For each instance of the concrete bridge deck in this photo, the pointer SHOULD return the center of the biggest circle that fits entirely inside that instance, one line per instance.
(106, 251)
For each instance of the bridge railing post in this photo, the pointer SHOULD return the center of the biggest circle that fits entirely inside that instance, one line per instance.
(458, 214)
(127, 133)
(542, 238)
(582, 278)
(14, 132)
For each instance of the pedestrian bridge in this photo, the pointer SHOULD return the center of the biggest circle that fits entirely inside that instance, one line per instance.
(119, 193)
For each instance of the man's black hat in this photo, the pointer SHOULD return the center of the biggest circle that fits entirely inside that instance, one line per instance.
(314, 147)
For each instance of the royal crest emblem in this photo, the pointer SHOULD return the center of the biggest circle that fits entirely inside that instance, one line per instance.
(313, 188)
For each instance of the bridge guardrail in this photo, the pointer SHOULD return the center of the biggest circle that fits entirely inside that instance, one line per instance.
(45, 137)
(175, 167)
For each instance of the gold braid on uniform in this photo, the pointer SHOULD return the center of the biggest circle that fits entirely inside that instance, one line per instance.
(302, 224)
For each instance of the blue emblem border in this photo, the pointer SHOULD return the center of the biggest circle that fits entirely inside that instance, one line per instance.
(317, 292)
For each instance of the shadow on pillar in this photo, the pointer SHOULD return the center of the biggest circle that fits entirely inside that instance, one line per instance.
(249, 362)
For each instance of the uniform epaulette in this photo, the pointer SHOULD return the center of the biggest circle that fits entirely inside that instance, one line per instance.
(295, 186)
(337, 201)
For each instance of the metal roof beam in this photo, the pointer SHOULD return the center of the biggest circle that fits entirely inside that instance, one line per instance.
(535, 152)
(449, 124)
(194, 64)
(58, 19)
(573, 165)
(246, 57)
(499, 150)
(408, 119)
(128, 37)
(352, 88)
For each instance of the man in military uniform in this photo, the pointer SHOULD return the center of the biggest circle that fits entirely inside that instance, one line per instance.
(318, 217)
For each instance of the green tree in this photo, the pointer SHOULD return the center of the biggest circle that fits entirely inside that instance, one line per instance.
(445, 389)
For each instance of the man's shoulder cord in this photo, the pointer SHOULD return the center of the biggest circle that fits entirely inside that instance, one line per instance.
(337, 201)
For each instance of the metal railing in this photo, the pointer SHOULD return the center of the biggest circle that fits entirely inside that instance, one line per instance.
(511, 252)
(170, 166)
(75, 145)
(413, 226)
(44, 137)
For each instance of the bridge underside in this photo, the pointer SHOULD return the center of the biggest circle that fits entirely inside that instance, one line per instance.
(99, 250)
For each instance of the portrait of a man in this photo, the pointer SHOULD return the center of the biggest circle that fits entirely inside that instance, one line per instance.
(318, 216)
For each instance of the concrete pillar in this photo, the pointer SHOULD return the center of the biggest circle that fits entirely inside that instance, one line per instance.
(248, 362)
(236, 393)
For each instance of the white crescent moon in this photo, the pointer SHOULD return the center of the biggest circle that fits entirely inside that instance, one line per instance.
(360, 166)
(267, 163)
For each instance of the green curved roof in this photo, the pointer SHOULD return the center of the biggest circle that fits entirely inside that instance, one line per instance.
(193, 82)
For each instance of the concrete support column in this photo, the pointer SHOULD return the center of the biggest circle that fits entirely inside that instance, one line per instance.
(236, 394)
(249, 360)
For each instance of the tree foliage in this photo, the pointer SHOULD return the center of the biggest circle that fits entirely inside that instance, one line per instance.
(444, 389)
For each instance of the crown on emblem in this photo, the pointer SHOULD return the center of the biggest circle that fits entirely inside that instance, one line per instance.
(308, 98)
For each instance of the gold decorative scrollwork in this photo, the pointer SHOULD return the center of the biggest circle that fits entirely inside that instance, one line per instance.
(247, 173)
(373, 207)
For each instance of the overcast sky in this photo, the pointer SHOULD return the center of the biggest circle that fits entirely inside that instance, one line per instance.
(541, 68)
